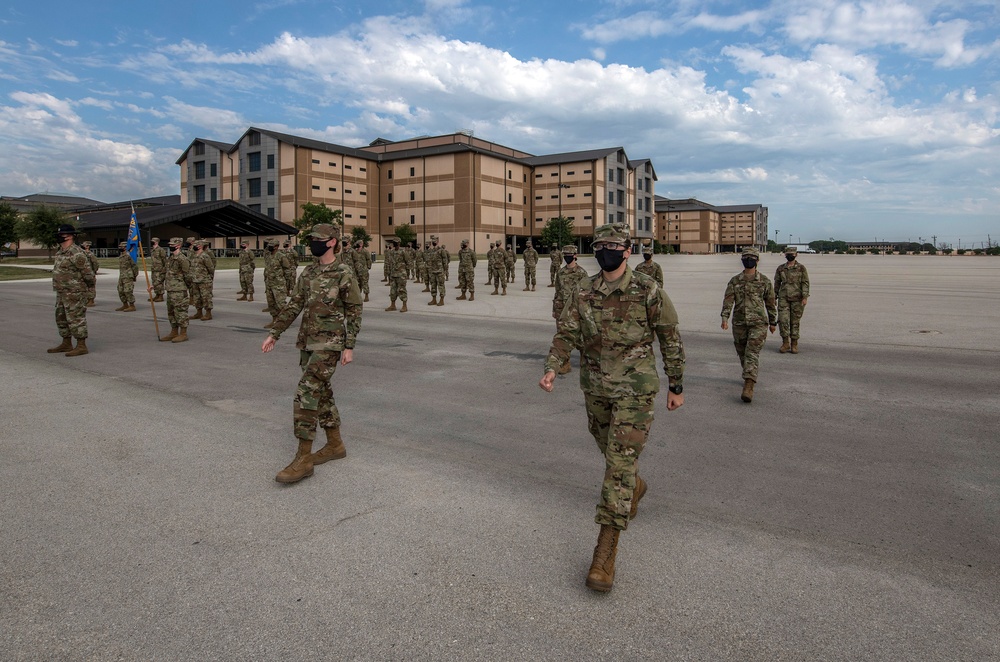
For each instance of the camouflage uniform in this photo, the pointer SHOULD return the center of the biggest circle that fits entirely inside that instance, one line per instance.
(201, 281)
(791, 284)
(649, 267)
(567, 281)
(491, 259)
(177, 284)
(613, 326)
(193, 292)
(467, 270)
(509, 260)
(446, 262)
(556, 257)
(498, 272)
(128, 271)
(751, 302)
(94, 266)
(435, 260)
(275, 287)
(289, 266)
(409, 259)
(330, 303)
(158, 260)
(361, 264)
(530, 264)
(72, 278)
(248, 264)
(398, 275)
(418, 265)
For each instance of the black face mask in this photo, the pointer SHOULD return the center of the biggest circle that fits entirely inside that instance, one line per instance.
(185, 245)
(609, 260)
(318, 247)
(790, 258)
(569, 258)
(748, 262)
(647, 257)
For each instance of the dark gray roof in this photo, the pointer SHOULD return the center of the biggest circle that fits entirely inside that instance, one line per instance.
(571, 157)
(220, 218)
(687, 204)
(225, 147)
(299, 141)
(56, 199)
(732, 208)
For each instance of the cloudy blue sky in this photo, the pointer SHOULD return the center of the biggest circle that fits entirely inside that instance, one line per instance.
(848, 119)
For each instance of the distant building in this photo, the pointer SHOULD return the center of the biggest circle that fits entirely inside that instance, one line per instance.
(693, 226)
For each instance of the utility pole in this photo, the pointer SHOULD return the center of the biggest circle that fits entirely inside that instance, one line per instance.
(934, 237)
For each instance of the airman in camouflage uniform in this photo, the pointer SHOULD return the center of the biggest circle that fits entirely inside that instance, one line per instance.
(72, 277)
(490, 262)
(418, 264)
(466, 271)
(275, 286)
(397, 273)
(248, 264)
(189, 249)
(498, 272)
(289, 265)
(446, 262)
(530, 264)
(650, 268)
(791, 284)
(158, 261)
(128, 271)
(613, 319)
(327, 295)
(567, 281)
(435, 272)
(178, 285)
(94, 266)
(555, 256)
(362, 262)
(202, 273)
(409, 259)
(750, 299)
(509, 262)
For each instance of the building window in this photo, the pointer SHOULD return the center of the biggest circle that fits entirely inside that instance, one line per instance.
(270, 161)
(199, 170)
(413, 219)
(390, 220)
(611, 197)
(586, 172)
(510, 174)
(364, 193)
(199, 194)
(199, 149)
(213, 194)
(538, 197)
(316, 161)
(413, 172)
(587, 195)
(347, 167)
(316, 188)
(638, 184)
(333, 189)
(213, 170)
(254, 138)
(348, 191)
(390, 198)
(510, 220)
(270, 188)
(270, 212)
(413, 195)
(571, 195)
(255, 208)
(611, 174)
(253, 161)
(510, 197)
(389, 176)
(363, 170)
(253, 185)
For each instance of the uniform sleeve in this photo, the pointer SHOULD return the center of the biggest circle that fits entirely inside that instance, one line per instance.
(86, 273)
(568, 336)
(805, 283)
(771, 305)
(659, 275)
(777, 278)
(663, 320)
(728, 300)
(350, 294)
(291, 309)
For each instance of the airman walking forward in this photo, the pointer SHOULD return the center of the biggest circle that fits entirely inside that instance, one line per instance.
(650, 268)
(791, 285)
(750, 299)
(567, 281)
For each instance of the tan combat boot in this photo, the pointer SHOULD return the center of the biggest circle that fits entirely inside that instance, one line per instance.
(496, 290)
(121, 308)
(334, 449)
(472, 296)
(404, 308)
(249, 297)
(301, 467)
(197, 315)
(462, 297)
(427, 288)
(433, 301)
(271, 323)
(170, 336)
(366, 297)
(208, 315)
(129, 308)
(526, 289)
(80, 349)
(159, 298)
(392, 306)
(602, 569)
(504, 293)
(441, 299)
(795, 346)
(785, 346)
(64, 346)
(243, 296)
(638, 493)
(182, 335)
(747, 395)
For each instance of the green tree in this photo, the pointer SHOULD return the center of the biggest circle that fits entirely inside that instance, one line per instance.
(313, 214)
(558, 230)
(8, 219)
(406, 234)
(359, 233)
(39, 227)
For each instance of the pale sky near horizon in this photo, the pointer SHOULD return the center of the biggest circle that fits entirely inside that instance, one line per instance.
(852, 120)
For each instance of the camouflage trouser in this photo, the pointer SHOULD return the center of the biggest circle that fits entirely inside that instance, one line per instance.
(553, 270)
(289, 281)
(789, 314)
(385, 269)
(498, 277)
(246, 281)
(467, 279)
(194, 294)
(92, 292)
(177, 308)
(363, 281)
(71, 314)
(314, 397)
(397, 288)
(159, 280)
(529, 276)
(620, 427)
(422, 273)
(436, 282)
(749, 340)
(509, 271)
(204, 297)
(126, 291)
(276, 296)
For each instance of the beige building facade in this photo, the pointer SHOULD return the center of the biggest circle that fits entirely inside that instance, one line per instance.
(693, 226)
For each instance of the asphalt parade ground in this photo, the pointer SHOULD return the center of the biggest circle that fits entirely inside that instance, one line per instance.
(851, 512)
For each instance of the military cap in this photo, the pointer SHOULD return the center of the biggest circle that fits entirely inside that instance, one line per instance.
(465, 242)
(272, 242)
(175, 241)
(155, 240)
(122, 244)
(647, 250)
(287, 244)
(613, 232)
(325, 231)
(554, 245)
(434, 238)
(569, 249)
(86, 244)
(751, 251)
(66, 228)
(392, 240)
(791, 250)
(190, 240)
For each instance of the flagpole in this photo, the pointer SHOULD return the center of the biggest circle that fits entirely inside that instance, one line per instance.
(145, 271)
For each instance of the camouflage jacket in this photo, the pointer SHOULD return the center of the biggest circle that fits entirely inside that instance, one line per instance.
(368, 259)
(293, 256)
(71, 271)
(466, 258)
(567, 280)
(509, 258)
(751, 301)
(247, 261)
(614, 331)
(360, 264)
(491, 258)
(201, 269)
(158, 258)
(275, 266)
(178, 273)
(396, 263)
(418, 258)
(530, 257)
(94, 264)
(127, 269)
(328, 297)
(791, 282)
(445, 258)
(347, 258)
(409, 256)
(210, 254)
(556, 256)
(436, 261)
(651, 269)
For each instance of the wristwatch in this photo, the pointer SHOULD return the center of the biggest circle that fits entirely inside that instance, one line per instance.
(676, 389)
